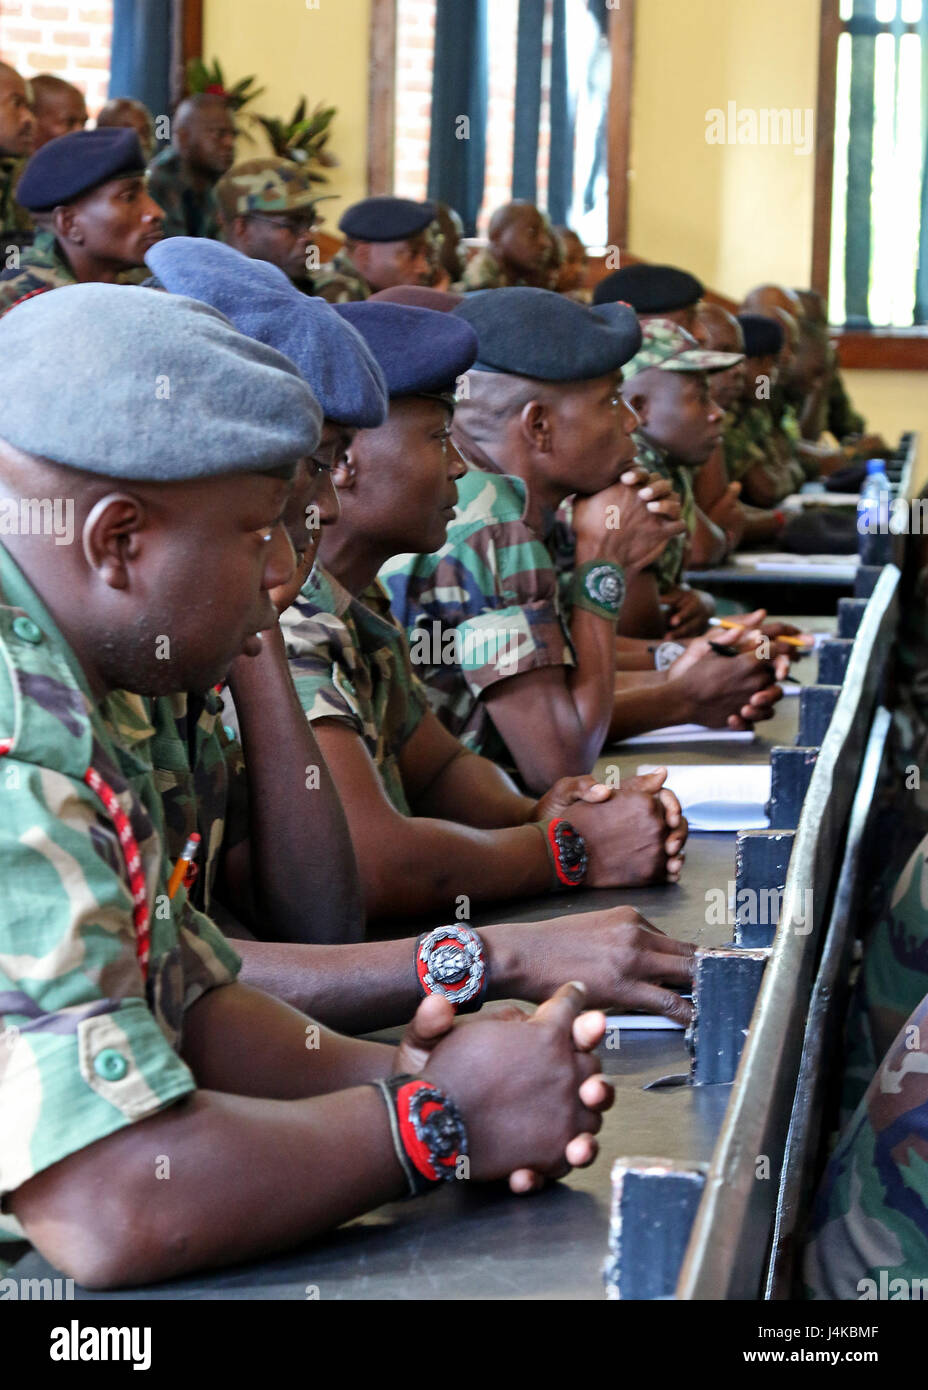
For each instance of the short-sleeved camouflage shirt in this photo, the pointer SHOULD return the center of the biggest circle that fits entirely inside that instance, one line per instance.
(41, 267)
(482, 609)
(15, 223)
(200, 772)
(869, 1224)
(349, 661)
(750, 438)
(188, 211)
(484, 272)
(89, 1043)
(669, 565)
(339, 281)
(843, 419)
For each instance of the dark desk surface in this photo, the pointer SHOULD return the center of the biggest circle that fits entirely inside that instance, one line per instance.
(487, 1244)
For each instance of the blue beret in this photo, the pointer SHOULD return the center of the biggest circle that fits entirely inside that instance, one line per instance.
(386, 219)
(421, 351)
(261, 301)
(763, 337)
(649, 289)
(72, 165)
(157, 388)
(536, 333)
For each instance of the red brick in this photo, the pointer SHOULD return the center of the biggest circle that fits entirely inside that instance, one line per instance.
(72, 38)
(58, 12)
(13, 36)
(46, 62)
(98, 16)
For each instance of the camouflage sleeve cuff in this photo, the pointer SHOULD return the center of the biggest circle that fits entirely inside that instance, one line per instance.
(74, 1077)
(510, 641)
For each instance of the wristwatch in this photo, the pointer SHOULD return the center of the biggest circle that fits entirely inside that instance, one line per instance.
(428, 1132)
(452, 961)
(666, 654)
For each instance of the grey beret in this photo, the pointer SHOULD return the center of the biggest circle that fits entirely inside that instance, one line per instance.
(156, 388)
(259, 300)
(540, 334)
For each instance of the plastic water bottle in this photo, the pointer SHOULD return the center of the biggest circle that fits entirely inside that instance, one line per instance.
(874, 543)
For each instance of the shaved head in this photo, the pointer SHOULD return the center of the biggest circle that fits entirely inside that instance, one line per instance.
(719, 330)
(59, 108)
(764, 299)
(17, 123)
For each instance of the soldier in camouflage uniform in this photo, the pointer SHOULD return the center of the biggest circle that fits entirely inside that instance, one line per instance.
(182, 179)
(523, 250)
(497, 572)
(268, 209)
(96, 221)
(388, 242)
(758, 451)
(17, 141)
(350, 662)
(869, 1231)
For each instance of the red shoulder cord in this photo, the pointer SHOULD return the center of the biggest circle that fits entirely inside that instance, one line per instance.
(130, 851)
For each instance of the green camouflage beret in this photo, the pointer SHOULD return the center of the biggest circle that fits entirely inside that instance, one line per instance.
(666, 345)
(267, 185)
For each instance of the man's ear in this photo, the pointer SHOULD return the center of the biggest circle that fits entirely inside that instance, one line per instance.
(345, 471)
(639, 404)
(535, 426)
(111, 537)
(66, 224)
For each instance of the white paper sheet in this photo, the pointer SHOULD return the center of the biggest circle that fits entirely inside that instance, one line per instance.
(689, 733)
(720, 796)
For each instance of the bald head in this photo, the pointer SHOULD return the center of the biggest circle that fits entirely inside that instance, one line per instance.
(764, 299)
(17, 123)
(204, 135)
(58, 106)
(719, 330)
(523, 242)
(813, 306)
(135, 115)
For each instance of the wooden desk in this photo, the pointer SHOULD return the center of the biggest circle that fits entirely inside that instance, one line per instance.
(486, 1244)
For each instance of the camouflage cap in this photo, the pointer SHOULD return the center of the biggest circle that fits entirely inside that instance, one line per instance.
(668, 346)
(267, 185)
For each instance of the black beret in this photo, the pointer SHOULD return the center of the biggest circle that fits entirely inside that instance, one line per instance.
(536, 333)
(72, 165)
(386, 219)
(763, 337)
(419, 351)
(649, 289)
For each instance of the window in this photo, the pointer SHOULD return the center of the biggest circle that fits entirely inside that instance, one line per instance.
(556, 123)
(873, 52)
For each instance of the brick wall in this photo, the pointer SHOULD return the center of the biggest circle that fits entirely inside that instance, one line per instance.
(70, 38)
(415, 42)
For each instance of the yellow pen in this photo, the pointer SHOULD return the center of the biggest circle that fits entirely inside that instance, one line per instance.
(183, 864)
(807, 640)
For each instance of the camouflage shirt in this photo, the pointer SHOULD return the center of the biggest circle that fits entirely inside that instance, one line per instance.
(751, 438)
(843, 419)
(42, 266)
(669, 566)
(483, 608)
(15, 223)
(200, 773)
(188, 211)
(870, 1220)
(484, 272)
(349, 661)
(339, 281)
(90, 1043)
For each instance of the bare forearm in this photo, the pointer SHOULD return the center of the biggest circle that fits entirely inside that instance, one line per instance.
(425, 865)
(637, 710)
(306, 876)
(358, 989)
(590, 686)
(247, 1177)
(475, 791)
(708, 544)
(641, 615)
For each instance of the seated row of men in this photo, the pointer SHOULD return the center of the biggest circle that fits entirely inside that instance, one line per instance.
(233, 417)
